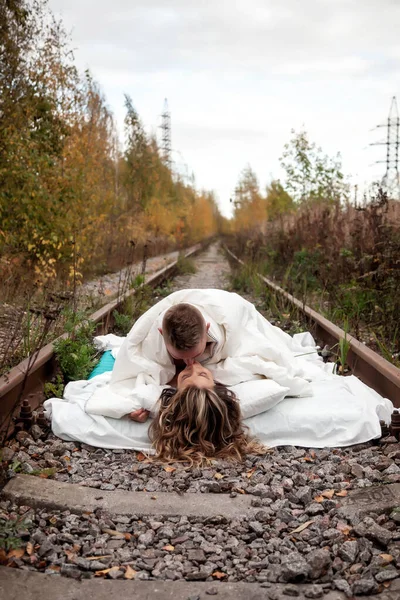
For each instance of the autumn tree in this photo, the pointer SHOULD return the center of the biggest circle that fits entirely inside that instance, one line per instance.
(140, 160)
(312, 175)
(66, 189)
(31, 130)
(278, 201)
(249, 205)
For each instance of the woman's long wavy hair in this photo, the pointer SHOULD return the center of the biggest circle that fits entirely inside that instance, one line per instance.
(195, 424)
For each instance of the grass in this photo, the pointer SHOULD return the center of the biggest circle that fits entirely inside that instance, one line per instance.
(245, 280)
(185, 265)
(11, 530)
(340, 259)
(77, 355)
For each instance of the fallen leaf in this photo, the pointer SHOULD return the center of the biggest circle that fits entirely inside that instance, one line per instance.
(387, 557)
(16, 553)
(218, 476)
(343, 528)
(127, 536)
(219, 574)
(303, 526)
(67, 458)
(346, 530)
(29, 548)
(101, 573)
(140, 456)
(3, 556)
(240, 491)
(153, 498)
(70, 555)
(169, 469)
(113, 532)
(319, 498)
(55, 568)
(130, 573)
(312, 454)
(98, 557)
(169, 548)
(328, 494)
(53, 520)
(342, 493)
(251, 472)
(307, 459)
(46, 475)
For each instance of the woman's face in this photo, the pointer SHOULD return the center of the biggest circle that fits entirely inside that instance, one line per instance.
(196, 375)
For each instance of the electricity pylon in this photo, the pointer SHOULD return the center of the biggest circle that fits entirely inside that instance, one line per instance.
(166, 135)
(391, 181)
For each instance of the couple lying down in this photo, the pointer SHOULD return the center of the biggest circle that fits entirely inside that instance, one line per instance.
(204, 364)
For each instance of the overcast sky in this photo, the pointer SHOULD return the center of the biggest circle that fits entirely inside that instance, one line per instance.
(239, 75)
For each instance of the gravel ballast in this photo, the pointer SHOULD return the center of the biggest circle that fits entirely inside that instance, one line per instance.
(291, 489)
(298, 530)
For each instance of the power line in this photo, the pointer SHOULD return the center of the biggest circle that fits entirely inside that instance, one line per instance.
(391, 181)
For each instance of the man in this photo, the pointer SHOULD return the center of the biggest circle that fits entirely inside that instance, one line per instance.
(188, 344)
(216, 328)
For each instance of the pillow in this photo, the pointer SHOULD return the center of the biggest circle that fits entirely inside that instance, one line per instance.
(258, 396)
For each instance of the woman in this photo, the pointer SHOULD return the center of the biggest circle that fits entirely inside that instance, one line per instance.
(198, 419)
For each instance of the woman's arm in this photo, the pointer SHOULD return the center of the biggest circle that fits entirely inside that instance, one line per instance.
(142, 414)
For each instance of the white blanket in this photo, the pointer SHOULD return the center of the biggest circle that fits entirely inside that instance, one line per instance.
(261, 363)
(342, 411)
(248, 348)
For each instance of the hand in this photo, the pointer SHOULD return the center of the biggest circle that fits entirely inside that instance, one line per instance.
(140, 415)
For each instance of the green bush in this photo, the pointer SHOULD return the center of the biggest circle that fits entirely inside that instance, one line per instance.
(122, 323)
(77, 355)
(10, 532)
(55, 388)
(185, 265)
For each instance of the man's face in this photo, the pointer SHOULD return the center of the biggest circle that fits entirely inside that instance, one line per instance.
(188, 356)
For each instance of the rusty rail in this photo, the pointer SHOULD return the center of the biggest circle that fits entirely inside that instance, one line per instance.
(370, 367)
(26, 380)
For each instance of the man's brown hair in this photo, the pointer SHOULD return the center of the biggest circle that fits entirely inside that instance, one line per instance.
(183, 326)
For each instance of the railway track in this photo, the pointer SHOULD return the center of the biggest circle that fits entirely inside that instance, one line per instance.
(297, 522)
(370, 367)
(26, 380)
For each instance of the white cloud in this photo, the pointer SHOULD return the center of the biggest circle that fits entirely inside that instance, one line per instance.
(239, 76)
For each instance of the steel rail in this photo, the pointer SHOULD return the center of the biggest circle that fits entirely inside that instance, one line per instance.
(26, 380)
(370, 367)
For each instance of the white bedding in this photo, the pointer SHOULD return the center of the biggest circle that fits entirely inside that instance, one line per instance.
(247, 348)
(339, 411)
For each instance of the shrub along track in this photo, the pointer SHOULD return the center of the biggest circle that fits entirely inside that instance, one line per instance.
(296, 522)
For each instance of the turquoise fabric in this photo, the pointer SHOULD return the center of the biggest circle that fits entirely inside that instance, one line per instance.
(106, 363)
